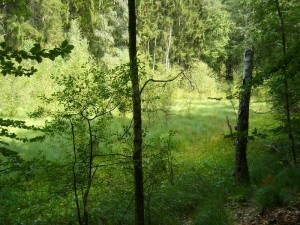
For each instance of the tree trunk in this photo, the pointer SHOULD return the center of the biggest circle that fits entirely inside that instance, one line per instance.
(168, 51)
(85, 197)
(154, 56)
(241, 165)
(286, 86)
(137, 118)
(74, 175)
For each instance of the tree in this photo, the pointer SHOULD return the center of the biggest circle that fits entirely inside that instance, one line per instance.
(43, 22)
(286, 84)
(103, 24)
(137, 117)
(241, 166)
(178, 32)
(84, 101)
(278, 40)
(270, 27)
(241, 35)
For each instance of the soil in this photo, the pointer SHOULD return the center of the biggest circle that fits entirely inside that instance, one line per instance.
(247, 215)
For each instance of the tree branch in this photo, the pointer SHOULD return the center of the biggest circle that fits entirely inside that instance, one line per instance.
(113, 154)
(164, 81)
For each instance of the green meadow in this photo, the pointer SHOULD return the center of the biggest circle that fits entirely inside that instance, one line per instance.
(188, 169)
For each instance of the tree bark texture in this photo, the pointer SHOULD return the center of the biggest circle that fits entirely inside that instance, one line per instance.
(241, 165)
(137, 117)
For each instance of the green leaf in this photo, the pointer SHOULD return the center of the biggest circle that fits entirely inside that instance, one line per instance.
(64, 44)
(35, 49)
(8, 49)
(3, 45)
(18, 59)
(10, 154)
(69, 48)
(39, 59)
(23, 54)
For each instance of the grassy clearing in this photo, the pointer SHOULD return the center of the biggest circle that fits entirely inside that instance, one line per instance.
(202, 161)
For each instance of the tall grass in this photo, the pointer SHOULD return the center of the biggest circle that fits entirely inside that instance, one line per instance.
(202, 162)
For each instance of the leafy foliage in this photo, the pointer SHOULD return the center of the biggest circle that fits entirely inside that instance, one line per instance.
(9, 57)
(187, 162)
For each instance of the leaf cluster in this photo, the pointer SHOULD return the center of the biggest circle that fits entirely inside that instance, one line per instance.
(5, 124)
(9, 57)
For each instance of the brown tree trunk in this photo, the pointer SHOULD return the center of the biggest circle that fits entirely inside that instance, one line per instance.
(137, 117)
(241, 165)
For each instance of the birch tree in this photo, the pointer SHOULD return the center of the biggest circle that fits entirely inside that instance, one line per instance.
(241, 165)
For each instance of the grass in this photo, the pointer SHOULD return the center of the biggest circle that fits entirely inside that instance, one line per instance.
(203, 162)
(281, 189)
(212, 212)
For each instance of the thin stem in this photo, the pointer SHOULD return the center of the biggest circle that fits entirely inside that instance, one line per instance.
(74, 174)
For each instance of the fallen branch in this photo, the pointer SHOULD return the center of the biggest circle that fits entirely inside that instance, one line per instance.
(214, 98)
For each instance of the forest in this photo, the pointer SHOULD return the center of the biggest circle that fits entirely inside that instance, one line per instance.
(149, 112)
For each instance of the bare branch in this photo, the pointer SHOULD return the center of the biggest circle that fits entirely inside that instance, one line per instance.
(163, 81)
(229, 126)
(127, 130)
(190, 81)
(113, 154)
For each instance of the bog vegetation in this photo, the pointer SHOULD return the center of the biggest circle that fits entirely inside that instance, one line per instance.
(68, 136)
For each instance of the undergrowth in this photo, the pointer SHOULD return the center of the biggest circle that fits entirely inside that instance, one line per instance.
(188, 171)
(282, 189)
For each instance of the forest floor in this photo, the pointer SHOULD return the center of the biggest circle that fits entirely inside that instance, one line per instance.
(248, 215)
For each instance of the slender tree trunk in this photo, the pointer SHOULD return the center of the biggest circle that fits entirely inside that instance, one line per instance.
(89, 177)
(154, 55)
(75, 176)
(286, 85)
(137, 118)
(168, 50)
(241, 165)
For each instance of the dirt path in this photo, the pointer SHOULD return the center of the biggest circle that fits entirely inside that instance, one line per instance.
(246, 215)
